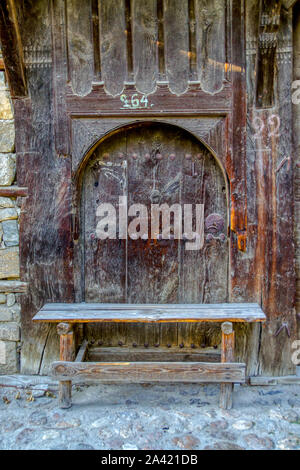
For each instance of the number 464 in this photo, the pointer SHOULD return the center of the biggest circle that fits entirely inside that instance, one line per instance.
(134, 102)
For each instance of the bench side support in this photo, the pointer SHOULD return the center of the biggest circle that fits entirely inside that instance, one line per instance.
(67, 353)
(227, 355)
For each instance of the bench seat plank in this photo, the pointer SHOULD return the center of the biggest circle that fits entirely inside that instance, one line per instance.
(142, 372)
(149, 313)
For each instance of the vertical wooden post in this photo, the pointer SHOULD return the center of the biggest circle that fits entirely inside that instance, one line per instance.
(67, 352)
(227, 355)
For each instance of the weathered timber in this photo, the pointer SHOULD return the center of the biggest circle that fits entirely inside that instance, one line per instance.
(210, 23)
(113, 46)
(141, 372)
(158, 354)
(266, 55)
(177, 52)
(45, 221)
(60, 76)
(283, 380)
(80, 47)
(227, 355)
(144, 34)
(12, 48)
(66, 354)
(194, 101)
(81, 313)
(13, 286)
(82, 352)
(13, 191)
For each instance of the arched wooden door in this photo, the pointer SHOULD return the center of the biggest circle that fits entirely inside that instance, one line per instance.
(154, 163)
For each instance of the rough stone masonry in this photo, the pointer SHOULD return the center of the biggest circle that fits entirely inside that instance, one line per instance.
(9, 238)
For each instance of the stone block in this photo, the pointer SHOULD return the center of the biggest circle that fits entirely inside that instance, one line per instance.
(8, 357)
(9, 213)
(7, 167)
(6, 314)
(9, 263)
(6, 202)
(7, 136)
(11, 300)
(9, 332)
(6, 110)
(10, 232)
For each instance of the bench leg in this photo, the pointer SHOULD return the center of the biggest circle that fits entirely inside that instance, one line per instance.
(227, 355)
(67, 352)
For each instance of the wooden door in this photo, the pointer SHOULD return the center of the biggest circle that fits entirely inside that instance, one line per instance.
(154, 163)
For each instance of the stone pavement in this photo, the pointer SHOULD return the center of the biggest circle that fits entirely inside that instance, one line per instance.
(168, 416)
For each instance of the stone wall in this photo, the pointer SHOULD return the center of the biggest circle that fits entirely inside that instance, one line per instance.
(9, 240)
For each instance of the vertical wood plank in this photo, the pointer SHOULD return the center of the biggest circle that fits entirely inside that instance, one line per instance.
(176, 24)
(60, 76)
(67, 353)
(210, 21)
(144, 18)
(153, 178)
(46, 250)
(227, 355)
(204, 273)
(96, 40)
(105, 181)
(80, 46)
(113, 45)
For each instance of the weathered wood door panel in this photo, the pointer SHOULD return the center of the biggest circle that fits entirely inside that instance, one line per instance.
(154, 164)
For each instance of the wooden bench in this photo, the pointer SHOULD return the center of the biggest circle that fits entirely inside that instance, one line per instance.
(71, 368)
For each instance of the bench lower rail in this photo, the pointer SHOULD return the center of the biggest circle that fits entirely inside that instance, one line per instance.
(142, 372)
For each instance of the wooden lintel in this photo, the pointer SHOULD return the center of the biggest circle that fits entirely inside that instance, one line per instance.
(12, 49)
(142, 372)
(13, 286)
(13, 191)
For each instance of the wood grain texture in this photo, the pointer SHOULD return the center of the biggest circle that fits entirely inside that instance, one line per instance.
(144, 34)
(13, 286)
(194, 101)
(142, 372)
(13, 191)
(271, 257)
(159, 265)
(227, 355)
(82, 352)
(60, 76)
(135, 354)
(149, 313)
(45, 220)
(80, 46)
(177, 45)
(12, 48)
(66, 353)
(113, 46)
(210, 21)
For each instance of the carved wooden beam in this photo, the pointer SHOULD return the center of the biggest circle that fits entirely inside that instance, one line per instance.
(12, 49)
(269, 20)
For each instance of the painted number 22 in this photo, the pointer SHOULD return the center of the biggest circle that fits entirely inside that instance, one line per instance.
(135, 101)
(273, 125)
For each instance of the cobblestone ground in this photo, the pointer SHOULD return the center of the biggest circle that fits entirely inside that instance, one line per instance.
(129, 417)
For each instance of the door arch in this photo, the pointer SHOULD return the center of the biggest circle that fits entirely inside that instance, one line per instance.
(154, 163)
